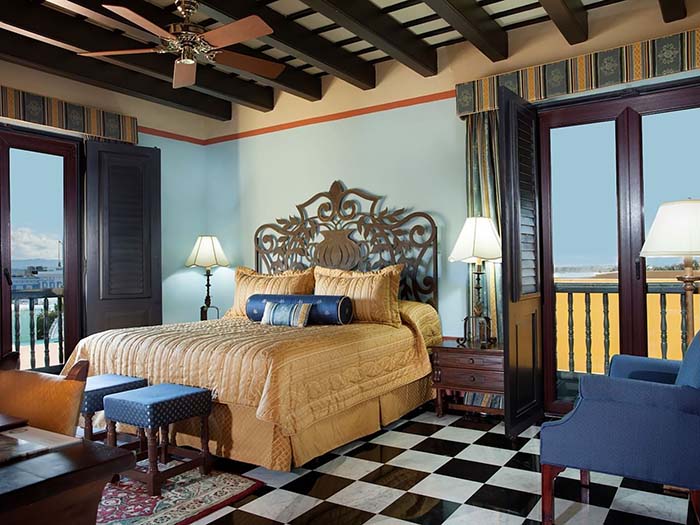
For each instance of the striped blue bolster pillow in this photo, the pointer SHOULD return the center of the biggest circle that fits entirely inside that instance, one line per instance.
(325, 309)
(277, 314)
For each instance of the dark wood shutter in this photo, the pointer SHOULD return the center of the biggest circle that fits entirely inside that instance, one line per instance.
(520, 230)
(122, 246)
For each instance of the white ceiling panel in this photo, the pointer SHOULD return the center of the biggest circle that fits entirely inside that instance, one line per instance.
(286, 7)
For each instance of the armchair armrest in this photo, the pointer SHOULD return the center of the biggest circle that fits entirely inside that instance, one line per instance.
(683, 399)
(644, 369)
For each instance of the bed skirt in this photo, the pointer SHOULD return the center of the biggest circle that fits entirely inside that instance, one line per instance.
(237, 434)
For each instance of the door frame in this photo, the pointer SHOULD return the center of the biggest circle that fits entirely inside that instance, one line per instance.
(69, 149)
(626, 109)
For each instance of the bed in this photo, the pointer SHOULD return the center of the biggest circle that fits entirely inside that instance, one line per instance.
(284, 396)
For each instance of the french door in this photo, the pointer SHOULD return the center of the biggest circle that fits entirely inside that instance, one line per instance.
(40, 289)
(605, 168)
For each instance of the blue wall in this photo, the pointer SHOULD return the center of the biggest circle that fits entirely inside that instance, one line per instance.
(413, 155)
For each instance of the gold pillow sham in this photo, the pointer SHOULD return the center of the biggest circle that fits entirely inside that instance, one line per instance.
(374, 295)
(250, 282)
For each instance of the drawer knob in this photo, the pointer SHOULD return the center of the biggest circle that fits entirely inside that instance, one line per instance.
(472, 378)
(471, 361)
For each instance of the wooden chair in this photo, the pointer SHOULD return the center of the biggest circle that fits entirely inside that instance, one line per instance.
(46, 401)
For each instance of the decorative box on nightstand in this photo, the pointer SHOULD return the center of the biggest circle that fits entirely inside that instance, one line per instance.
(473, 370)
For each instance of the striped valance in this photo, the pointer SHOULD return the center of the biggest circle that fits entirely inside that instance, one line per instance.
(48, 111)
(639, 61)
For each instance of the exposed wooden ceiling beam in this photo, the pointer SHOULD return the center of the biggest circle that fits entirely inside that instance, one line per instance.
(570, 17)
(367, 21)
(78, 34)
(474, 24)
(292, 80)
(672, 10)
(28, 52)
(298, 41)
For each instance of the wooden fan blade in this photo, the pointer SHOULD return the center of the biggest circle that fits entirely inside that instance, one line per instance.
(118, 52)
(184, 74)
(257, 66)
(139, 21)
(241, 30)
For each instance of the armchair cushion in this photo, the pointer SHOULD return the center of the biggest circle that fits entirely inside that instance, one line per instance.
(689, 373)
(644, 369)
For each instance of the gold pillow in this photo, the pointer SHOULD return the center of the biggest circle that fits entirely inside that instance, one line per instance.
(374, 295)
(46, 401)
(250, 282)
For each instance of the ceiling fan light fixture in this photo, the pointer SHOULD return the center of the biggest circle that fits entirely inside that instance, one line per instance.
(187, 56)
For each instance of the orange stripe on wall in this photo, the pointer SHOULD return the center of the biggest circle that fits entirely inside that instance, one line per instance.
(168, 135)
(443, 95)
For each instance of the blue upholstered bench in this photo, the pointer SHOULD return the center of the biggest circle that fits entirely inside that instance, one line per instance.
(96, 388)
(154, 409)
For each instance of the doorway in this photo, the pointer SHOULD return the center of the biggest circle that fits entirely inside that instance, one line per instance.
(606, 166)
(39, 248)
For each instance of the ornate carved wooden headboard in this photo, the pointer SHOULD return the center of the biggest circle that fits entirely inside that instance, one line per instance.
(348, 229)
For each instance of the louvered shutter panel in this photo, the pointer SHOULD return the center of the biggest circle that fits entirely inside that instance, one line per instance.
(122, 245)
(520, 232)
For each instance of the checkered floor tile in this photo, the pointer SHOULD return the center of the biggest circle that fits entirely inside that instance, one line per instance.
(452, 470)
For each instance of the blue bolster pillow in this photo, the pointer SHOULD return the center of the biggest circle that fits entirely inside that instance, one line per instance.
(325, 309)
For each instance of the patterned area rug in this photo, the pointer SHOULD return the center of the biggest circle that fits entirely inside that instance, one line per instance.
(185, 499)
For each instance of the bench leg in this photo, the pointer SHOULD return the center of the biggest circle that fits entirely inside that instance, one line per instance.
(87, 426)
(206, 466)
(141, 433)
(164, 443)
(111, 433)
(152, 473)
(549, 472)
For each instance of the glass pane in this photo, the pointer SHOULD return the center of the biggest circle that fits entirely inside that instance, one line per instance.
(670, 173)
(584, 235)
(36, 216)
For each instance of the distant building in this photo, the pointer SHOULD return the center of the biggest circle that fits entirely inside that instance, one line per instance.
(37, 278)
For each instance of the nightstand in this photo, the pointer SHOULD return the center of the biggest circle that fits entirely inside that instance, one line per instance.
(464, 369)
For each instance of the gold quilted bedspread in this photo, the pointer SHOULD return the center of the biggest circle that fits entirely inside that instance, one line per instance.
(293, 377)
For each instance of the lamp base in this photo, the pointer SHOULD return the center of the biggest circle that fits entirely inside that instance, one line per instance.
(477, 332)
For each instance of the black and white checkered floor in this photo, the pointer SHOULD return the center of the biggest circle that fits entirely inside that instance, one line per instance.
(428, 470)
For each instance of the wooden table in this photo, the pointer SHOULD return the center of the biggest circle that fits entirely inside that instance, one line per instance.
(459, 368)
(60, 487)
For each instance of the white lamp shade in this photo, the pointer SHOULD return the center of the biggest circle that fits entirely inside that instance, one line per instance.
(675, 231)
(207, 252)
(478, 240)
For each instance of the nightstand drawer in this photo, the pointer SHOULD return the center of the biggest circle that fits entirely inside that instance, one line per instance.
(459, 378)
(471, 361)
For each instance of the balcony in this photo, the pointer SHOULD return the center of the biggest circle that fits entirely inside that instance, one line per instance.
(587, 320)
(37, 332)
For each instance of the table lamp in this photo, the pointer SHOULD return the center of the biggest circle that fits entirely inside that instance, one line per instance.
(675, 232)
(207, 253)
(478, 241)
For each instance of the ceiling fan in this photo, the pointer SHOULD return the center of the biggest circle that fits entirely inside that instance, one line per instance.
(190, 41)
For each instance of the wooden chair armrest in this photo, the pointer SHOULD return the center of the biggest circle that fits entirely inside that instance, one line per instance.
(79, 371)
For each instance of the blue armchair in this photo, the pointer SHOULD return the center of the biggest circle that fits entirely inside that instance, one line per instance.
(642, 421)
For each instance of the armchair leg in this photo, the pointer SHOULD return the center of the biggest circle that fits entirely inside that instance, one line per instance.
(694, 507)
(585, 478)
(549, 472)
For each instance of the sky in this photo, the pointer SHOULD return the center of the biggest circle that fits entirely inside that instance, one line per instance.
(584, 194)
(36, 204)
